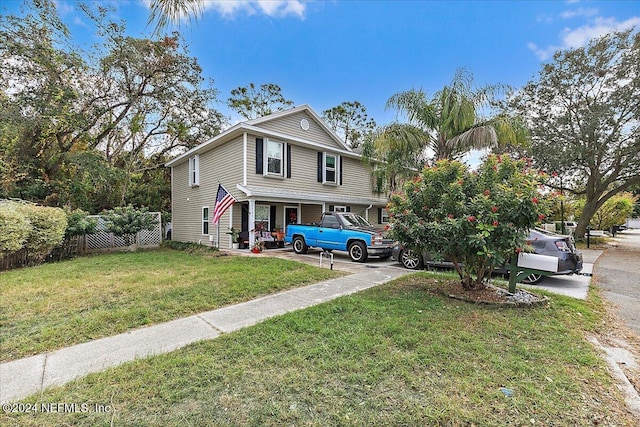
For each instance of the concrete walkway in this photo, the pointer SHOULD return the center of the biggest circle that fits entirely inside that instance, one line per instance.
(23, 377)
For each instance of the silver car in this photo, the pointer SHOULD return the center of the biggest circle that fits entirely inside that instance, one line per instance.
(543, 242)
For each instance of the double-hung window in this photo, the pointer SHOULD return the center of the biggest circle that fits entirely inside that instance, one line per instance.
(194, 171)
(330, 168)
(275, 158)
(205, 220)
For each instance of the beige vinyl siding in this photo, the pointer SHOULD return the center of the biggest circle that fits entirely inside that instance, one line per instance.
(356, 181)
(222, 164)
(310, 214)
(290, 125)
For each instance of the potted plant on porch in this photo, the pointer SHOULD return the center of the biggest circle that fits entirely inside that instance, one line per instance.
(279, 234)
(235, 234)
(258, 247)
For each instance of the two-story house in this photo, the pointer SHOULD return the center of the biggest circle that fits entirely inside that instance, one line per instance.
(287, 167)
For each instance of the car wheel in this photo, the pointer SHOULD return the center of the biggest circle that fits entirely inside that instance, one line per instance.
(358, 252)
(411, 260)
(533, 279)
(299, 245)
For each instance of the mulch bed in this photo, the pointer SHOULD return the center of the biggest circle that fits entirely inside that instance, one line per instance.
(493, 295)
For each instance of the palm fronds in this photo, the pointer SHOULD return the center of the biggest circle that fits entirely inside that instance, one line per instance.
(164, 12)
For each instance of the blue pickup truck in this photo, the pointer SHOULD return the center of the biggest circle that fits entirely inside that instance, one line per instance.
(342, 231)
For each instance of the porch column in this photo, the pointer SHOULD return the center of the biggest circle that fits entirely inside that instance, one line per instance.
(230, 225)
(252, 222)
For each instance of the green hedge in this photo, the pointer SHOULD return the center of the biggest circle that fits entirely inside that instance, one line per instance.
(15, 227)
(38, 229)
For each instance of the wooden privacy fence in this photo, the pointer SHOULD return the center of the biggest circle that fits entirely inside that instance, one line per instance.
(25, 258)
(103, 240)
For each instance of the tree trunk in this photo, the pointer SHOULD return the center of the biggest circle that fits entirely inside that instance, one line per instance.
(589, 210)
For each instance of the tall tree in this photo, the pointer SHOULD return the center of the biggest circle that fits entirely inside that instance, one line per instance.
(448, 125)
(350, 121)
(133, 98)
(452, 120)
(39, 73)
(251, 102)
(584, 115)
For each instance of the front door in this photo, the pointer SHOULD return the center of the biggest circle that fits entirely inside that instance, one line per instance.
(290, 215)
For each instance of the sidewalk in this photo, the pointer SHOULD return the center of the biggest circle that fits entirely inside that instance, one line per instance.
(20, 378)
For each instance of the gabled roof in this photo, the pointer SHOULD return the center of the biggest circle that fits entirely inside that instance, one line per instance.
(298, 109)
(253, 127)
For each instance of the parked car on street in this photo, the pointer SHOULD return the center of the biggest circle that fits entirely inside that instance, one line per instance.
(543, 243)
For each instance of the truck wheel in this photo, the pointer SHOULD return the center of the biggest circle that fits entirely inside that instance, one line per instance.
(299, 245)
(358, 252)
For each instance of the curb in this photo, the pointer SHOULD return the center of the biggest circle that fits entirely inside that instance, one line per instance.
(631, 396)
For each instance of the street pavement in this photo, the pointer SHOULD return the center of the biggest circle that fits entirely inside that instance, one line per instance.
(617, 273)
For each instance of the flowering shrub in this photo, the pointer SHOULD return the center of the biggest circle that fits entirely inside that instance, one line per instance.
(477, 220)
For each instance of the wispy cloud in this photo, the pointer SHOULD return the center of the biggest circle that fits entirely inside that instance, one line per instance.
(571, 38)
(271, 8)
(580, 12)
(599, 27)
(63, 8)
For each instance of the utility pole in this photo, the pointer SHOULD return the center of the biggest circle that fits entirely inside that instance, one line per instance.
(562, 230)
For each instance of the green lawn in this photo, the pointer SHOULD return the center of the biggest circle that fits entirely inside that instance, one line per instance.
(61, 304)
(398, 354)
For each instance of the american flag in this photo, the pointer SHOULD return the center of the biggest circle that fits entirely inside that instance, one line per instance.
(223, 201)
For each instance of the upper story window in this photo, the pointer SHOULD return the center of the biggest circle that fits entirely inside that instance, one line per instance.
(194, 171)
(330, 171)
(329, 168)
(275, 158)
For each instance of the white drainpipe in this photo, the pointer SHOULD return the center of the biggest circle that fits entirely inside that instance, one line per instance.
(366, 212)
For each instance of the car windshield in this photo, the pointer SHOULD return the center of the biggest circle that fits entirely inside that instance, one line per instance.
(355, 220)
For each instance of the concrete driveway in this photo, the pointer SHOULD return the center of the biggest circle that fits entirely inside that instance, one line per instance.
(575, 286)
(341, 260)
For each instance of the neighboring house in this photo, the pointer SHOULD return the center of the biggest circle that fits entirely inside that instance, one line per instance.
(287, 167)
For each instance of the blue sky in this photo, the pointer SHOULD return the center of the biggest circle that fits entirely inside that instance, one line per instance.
(325, 52)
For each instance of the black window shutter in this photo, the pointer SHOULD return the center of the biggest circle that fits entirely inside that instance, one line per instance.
(379, 215)
(340, 161)
(288, 160)
(272, 216)
(244, 217)
(319, 167)
(348, 208)
(259, 160)
(330, 208)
